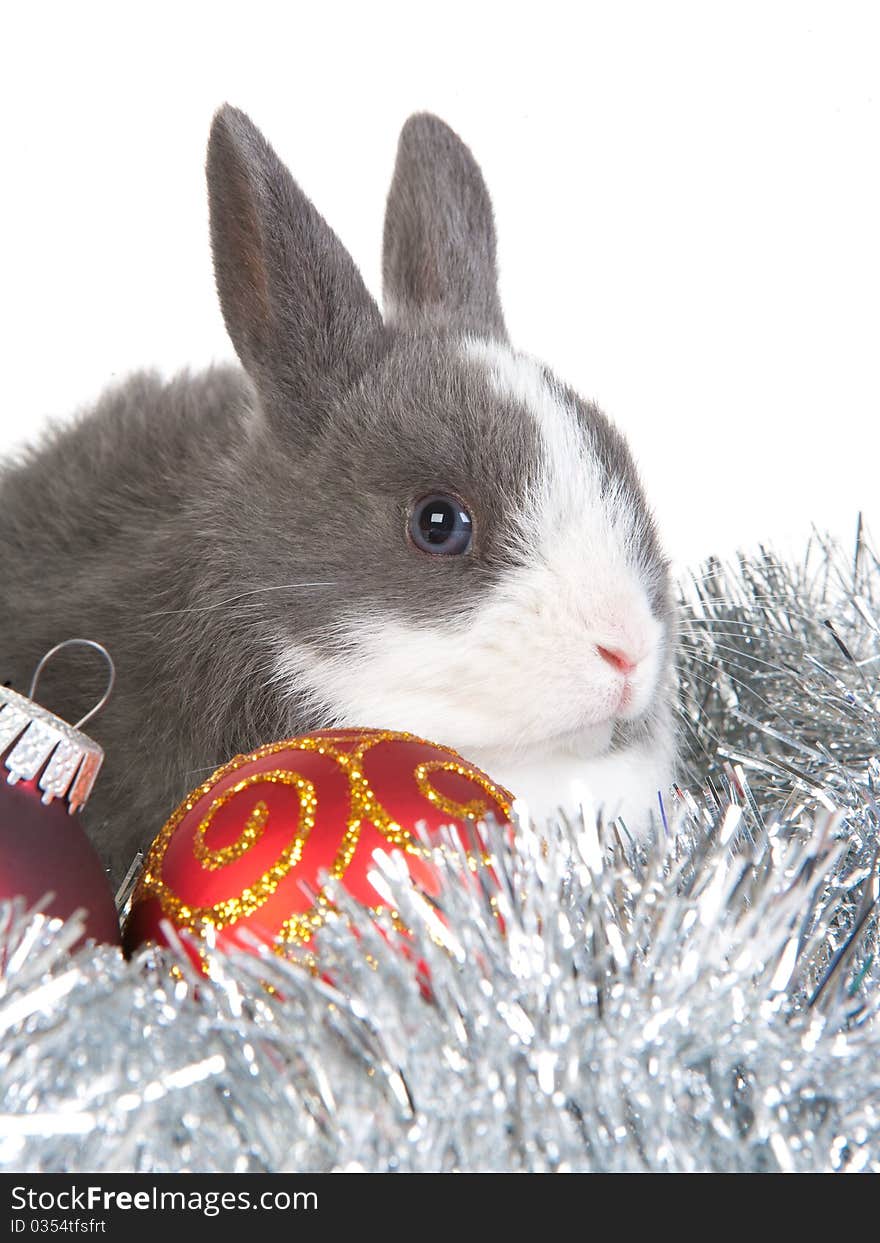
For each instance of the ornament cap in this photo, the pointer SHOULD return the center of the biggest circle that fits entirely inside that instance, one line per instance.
(39, 743)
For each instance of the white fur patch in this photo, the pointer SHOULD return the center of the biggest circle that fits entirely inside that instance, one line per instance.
(627, 783)
(570, 505)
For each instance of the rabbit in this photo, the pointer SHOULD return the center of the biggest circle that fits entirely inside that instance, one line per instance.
(396, 521)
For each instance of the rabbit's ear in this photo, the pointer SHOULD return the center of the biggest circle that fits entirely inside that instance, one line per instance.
(439, 248)
(296, 308)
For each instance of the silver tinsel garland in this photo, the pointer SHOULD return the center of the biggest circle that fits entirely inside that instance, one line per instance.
(709, 1003)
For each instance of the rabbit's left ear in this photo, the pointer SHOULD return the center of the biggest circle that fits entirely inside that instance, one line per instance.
(295, 305)
(439, 246)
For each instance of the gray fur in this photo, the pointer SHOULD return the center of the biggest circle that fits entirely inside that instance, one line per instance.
(188, 525)
(297, 310)
(439, 250)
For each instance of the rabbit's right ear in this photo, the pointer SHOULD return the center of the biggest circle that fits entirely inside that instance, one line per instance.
(295, 306)
(439, 249)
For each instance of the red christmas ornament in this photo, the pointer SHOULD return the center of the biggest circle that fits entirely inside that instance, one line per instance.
(51, 768)
(245, 849)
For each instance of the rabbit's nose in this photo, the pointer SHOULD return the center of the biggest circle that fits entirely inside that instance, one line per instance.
(620, 660)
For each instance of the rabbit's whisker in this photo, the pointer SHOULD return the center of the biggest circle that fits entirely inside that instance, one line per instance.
(220, 604)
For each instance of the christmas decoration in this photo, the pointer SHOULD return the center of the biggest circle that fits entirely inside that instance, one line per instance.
(50, 769)
(246, 850)
(708, 1003)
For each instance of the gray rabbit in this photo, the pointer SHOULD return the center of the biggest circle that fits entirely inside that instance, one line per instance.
(398, 522)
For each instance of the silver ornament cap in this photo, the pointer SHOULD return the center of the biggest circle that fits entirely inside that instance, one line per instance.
(38, 742)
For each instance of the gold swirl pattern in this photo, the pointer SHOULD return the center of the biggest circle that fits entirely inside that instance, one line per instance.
(229, 910)
(253, 830)
(476, 808)
(363, 806)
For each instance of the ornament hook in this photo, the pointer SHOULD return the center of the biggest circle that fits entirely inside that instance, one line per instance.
(98, 647)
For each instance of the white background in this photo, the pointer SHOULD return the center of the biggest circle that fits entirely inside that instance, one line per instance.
(687, 198)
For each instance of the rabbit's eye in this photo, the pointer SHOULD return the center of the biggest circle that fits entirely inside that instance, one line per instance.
(440, 524)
